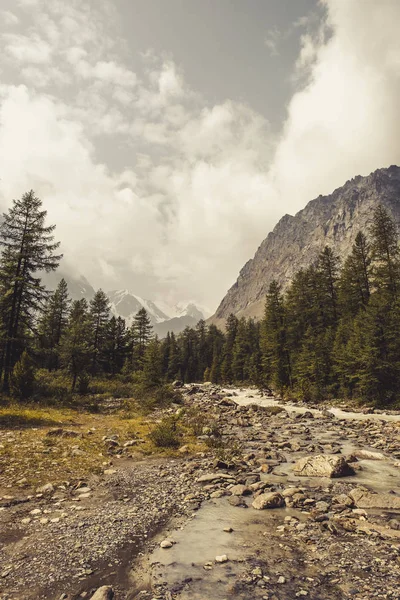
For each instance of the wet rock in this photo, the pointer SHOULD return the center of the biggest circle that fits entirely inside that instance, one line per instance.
(211, 477)
(221, 559)
(104, 593)
(365, 499)
(240, 490)
(270, 500)
(167, 543)
(323, 466)
(237, 501)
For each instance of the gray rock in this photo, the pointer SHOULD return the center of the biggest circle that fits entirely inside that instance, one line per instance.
(365, 499)
(104, 593)
(323, 465)
(270, 500)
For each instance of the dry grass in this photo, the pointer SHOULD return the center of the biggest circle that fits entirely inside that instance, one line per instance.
(30, 458)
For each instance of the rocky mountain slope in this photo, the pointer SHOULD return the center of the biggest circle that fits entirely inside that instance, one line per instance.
(296, 241)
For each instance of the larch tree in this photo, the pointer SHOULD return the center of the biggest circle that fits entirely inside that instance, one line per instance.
(28, 248)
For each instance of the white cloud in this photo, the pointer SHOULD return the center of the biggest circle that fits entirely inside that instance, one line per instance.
(193, 187)
(272, 39)
(27, 49)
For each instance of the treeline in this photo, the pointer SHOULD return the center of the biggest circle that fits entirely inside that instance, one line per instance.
(334, 332)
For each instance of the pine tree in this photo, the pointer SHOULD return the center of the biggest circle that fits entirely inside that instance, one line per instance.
(275, 354)
(28, 248)
(355, 278)
(232, 324)
(385, 252)
(174, 360)
(115, 345)
(53, 324)
(99, 315)
(23, 378)
(75, 347)
(327, 270)
(141, 334)
(152, 364)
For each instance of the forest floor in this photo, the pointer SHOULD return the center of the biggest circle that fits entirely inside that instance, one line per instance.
(86, 499)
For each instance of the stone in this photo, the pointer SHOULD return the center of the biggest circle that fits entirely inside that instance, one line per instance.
(167, 543)
(236, 501)
(365, 499)
(221, 559)
(48, 488)
(270, 500)
(323, 465)
(240, 490)
(104, 593)
(210, 477)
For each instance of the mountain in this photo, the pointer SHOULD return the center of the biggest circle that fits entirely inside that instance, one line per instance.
(78, 287)
(295, 242)
(163, 317)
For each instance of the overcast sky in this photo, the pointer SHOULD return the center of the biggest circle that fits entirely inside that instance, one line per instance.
(167, 137)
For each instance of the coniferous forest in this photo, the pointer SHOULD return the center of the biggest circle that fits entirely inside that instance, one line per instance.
(334, 332)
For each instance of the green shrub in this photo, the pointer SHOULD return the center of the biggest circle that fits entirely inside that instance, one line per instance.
(166, 434)
(151, 397)
(23, 378)
(52, 386)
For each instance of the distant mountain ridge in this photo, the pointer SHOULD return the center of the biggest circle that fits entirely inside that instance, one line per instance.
(171, 318)
(125, 304)
(295, 242)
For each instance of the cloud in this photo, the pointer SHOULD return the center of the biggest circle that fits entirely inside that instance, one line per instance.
(272, 39)
(155, 189)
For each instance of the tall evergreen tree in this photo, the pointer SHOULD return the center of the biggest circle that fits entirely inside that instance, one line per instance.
(141, 334)
(385, 252)
(28, 248)
(275, 354)
(99, 312)
(355, 278)
(230, 337)
(75, 347)
(53, 324)
(115, 345)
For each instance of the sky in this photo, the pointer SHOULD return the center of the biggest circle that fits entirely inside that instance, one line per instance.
(167, 137)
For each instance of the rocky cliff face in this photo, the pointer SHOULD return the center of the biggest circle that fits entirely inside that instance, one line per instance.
(296, 241)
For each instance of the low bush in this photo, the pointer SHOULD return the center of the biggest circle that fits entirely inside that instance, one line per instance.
(166, 434)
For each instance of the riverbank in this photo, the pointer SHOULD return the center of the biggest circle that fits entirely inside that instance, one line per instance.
(329, 537)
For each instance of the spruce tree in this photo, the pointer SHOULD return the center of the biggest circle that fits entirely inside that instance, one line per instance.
(53, 324)
(230, 337)
(385, 252)
(99, 313)
(141, 334)
(28, 248)
(75, 346)
(355, 278)
(115, 345)
(152, 364)
(275, 353)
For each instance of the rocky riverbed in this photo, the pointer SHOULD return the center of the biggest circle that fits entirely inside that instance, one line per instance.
(287, 502)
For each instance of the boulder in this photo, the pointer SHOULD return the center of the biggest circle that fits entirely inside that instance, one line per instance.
(271, 500)
(365, 499)
(240, 490)
(104, 593)
(323, 465)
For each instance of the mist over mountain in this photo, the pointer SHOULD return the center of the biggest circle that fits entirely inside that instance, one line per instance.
(163, 315)
(295, 242)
